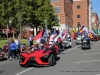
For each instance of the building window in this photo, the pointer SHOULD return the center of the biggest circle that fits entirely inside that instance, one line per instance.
(78, 16)
(78, 7)
(56, 0)
(56, 9)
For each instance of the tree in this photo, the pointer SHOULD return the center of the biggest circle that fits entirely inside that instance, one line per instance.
(27, 12)
(45, 11)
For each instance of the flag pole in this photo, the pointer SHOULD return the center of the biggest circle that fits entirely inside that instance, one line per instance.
(7, 30)
(46, 26)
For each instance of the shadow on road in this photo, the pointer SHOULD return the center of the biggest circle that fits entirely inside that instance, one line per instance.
(1, 71)
(58, 58)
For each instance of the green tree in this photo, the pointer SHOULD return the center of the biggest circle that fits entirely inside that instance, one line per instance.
(45, 11)
(27, 12)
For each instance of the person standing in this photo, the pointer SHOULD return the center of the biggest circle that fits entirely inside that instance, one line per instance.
(28, 38)
(31, 41)
(12, 50)
(17, 41)
(9, 47)
(5, 48)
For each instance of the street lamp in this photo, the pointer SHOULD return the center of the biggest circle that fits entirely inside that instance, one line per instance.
(45, 23)
(10, 24)
(9, 21)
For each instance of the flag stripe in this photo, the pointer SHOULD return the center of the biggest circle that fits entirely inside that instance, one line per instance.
(38, 36)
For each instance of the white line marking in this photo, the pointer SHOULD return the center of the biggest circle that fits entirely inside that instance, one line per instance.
(95, 49)
(97, 74)
(87, 61)
(91, 53)
(23, 71)
(70, 49)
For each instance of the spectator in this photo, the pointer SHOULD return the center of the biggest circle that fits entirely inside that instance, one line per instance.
(28, 38)
(13, 50)
(16, 40)
(31, 40)
(9, 47)
(18, 49)
(5, 48)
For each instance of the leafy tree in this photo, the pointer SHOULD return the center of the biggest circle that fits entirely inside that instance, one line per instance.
(27, 12)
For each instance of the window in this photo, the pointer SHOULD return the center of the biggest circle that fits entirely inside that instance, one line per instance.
(78, 16)
(56, 9)
(78, 7)
(56, 0)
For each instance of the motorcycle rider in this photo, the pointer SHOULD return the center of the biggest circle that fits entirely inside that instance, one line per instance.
(59, 42)
(86, 37)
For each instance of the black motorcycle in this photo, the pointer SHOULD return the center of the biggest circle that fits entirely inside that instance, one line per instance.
(85, 44)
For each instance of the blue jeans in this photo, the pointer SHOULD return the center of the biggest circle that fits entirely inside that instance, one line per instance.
(8, 53)
(12, 53)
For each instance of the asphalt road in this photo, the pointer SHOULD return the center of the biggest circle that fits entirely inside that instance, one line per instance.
(73, 61)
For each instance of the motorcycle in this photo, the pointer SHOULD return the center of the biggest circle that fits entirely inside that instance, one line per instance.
(85, 44)
(67, 43)
(78, 41)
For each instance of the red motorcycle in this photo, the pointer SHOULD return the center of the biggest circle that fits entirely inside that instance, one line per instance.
(44, 56)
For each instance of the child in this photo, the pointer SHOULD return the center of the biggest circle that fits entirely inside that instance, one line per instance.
(5, 48)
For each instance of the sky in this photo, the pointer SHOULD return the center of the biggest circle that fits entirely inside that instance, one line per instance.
(96, 7)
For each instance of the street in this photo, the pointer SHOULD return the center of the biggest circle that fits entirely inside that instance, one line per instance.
(72, 61)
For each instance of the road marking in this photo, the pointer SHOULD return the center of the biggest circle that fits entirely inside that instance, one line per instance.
(97, 74)
(87, 61)
(91, 53)
(23, 71)
(70, 49)
(95, 49)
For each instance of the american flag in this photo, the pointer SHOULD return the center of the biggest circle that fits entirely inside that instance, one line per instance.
(7, 31)
(53, 35)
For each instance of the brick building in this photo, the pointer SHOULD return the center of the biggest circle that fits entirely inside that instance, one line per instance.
(63, 8)
(95, 20)
(81, 13)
